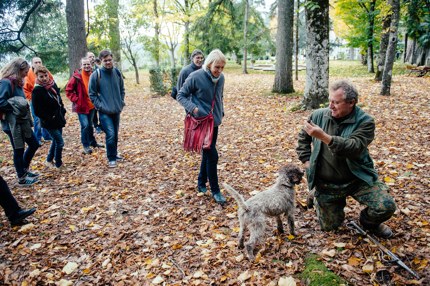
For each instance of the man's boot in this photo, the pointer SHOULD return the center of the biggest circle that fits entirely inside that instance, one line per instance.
(380, 230)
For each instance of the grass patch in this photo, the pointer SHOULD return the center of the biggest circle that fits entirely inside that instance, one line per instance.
(348, 69)
(317, 274)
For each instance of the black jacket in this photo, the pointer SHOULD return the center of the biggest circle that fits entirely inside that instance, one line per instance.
(49, 107)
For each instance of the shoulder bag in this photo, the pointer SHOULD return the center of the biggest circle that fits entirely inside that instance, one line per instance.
(198, 131)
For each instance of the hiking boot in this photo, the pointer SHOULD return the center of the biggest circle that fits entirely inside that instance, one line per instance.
(25, 181)
(219, 198)
(112, 164)
(382, 231)
(87, 151)
(202, 189)
(20, 216)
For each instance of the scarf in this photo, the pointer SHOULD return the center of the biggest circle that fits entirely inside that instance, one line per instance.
(49, 86)
(214, 79)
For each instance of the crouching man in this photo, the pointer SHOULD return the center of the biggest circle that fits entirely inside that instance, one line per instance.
(333, 146)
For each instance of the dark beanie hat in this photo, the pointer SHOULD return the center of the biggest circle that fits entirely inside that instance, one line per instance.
(195, 53)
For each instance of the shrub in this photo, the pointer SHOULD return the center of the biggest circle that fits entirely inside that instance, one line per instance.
(156, 81)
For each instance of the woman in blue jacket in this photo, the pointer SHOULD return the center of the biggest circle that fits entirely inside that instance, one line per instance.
(16, 119)
(196, 97)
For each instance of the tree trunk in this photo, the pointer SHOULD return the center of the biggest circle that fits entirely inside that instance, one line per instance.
(317, 54)
(114, 34)
(370, 36)
(297, 38)
(391, 50)
(245, 39)
(284, 54)
(76, 38)
(187, 31)
(383, 47)
(157, 35)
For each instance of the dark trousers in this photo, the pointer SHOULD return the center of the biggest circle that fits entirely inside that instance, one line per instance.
(110, 124)
(21, 158)
(208, 166)
(7, 201)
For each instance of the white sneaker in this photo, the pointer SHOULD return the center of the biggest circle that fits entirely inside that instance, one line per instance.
(112, 164)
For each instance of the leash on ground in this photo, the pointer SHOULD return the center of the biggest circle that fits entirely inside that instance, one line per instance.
(394, 259)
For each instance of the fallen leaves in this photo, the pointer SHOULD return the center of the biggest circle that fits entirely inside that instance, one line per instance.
(143, 223)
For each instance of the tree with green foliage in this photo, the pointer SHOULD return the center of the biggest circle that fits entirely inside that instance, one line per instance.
(417, 38)
(284, 53)
(34, 28)
(114, 31)
(360, 24)
(222, 27)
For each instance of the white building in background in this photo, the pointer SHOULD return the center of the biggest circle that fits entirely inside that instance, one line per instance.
(339, 50)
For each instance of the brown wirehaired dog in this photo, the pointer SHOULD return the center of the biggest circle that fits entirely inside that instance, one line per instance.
(277, 200)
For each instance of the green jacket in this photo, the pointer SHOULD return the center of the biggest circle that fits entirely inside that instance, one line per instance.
(356, 133)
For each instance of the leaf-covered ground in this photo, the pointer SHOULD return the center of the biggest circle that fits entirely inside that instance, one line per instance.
(143, 223)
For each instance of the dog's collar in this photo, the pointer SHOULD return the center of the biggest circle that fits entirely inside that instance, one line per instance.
(289, 185)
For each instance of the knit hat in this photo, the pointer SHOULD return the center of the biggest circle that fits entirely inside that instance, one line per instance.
(195, 53)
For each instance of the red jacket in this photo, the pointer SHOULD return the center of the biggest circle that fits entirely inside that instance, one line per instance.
(77, 94)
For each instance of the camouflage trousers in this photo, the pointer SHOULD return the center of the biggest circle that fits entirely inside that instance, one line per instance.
(330, 201)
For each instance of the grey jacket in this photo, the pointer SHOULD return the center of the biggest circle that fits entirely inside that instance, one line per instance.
(20, 121)
(185, 72)
(107, 92)
(198, 91)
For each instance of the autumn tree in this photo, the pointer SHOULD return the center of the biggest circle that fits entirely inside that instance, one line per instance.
(76, 37)
(129, 43)
(34, 28)
(417, 37)
(385, 33)
(112, 7)
(317, 53)
(391, 50)
(284, 53)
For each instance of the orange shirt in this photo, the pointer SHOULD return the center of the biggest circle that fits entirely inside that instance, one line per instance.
(29, 82)
(86, 79)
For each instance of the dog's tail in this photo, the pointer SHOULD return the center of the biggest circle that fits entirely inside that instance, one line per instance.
(238, 197)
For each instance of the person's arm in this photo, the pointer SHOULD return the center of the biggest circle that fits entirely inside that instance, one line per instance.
(184, 96)
(28, 87)
(92, 90)
(121, 86)
(304, 148)
(40, 110)
(71, 90)
(354, 145)
(5, 92)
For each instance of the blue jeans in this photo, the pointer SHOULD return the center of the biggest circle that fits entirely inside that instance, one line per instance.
(208, 166)
(87, 131)
(110, 125)
(38, 130)
(56, 149)
(21, 159)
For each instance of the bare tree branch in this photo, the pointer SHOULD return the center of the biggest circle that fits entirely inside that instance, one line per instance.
(19, 31)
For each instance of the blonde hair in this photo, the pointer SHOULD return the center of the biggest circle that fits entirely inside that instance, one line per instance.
(215, 56)
(40, 69)
(14, 67)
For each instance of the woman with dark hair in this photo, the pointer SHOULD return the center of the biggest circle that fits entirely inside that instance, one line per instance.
(196, 96)
(49, 107)
(16, 120)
